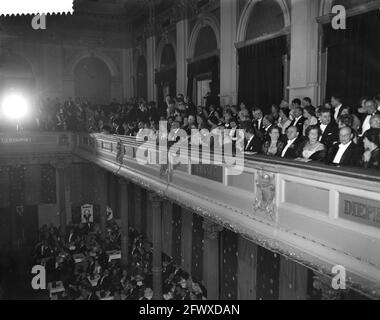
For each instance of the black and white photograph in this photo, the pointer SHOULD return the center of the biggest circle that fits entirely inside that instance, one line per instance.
(208, 152)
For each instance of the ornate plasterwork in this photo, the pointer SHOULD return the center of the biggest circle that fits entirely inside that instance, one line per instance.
(265, 201)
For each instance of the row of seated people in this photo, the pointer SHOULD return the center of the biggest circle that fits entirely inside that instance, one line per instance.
(331, 133)
(80, 266)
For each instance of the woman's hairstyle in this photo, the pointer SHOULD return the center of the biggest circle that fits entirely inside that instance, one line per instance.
(274, 128)
(347, 120)
(310, 110)
(286, 112)
(315, 127)
(373, 135)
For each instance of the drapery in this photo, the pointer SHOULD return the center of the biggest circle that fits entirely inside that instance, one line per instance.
(164, 78)
(353, 69)
(176, 235)
(268, 274)
(247, 264)
(261, 73)
(229, 266)
(208, 65)
(197, 248)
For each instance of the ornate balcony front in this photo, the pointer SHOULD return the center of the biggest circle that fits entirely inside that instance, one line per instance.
(316, 215)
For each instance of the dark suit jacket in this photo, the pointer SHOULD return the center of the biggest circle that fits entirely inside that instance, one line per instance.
(331, 135)
(374, 162)
(255, 145)
(295, 150)
(299, 124)
(350, 158)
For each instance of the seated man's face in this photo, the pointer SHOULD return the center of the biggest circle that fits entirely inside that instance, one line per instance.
(292, 133)
(345, 135)
(325, 118)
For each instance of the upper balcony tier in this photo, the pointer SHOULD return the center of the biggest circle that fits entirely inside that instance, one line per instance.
(316, 215)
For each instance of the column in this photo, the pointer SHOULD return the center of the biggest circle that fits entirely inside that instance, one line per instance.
(63, 187)
(157, 246)
(151, 65)
(182, 45)
(304, 50)
(211, 258)
(102, 197)
(128, 90)
(228, 56)
(124, 212)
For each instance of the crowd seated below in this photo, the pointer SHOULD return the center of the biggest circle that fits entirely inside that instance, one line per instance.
(84, 264)
(332, 133)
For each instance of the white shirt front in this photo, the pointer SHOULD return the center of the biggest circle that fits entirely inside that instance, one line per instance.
(297, 119)
(342, 149)
(337, 109)
(366, 124)
(249, 141)
(290, 142)
(323, 129)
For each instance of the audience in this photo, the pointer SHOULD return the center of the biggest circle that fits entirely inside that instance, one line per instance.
(330, 133)
(81, 259)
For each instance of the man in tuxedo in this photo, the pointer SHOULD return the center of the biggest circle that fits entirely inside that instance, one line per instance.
(252, 142)
(294, 143)
(329, 128)
(346, 152)
(299, 119)
(258, 118)
(306, 102)
(371, 110)
(375, 122)
(337, 104)
(268, 123)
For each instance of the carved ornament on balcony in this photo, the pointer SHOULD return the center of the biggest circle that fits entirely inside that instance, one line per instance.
(211, 229)
(265, 201)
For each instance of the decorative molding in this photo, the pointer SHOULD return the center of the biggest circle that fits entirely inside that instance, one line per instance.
(265, 202)
(246, 14)
(211, 229)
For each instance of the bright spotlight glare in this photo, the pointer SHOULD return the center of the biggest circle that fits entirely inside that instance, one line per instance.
(14, 107)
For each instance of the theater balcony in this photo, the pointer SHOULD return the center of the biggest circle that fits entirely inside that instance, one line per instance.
(317, 216)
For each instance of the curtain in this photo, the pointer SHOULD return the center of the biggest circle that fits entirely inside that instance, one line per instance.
(197, 248)
(247, 263)
(4, 186)
(208, 65)
(166, 77)
(229, 266)
(261, 73)
(353, 69)
(176, 235)
(293, 280)
(268, 274)
(48, 184)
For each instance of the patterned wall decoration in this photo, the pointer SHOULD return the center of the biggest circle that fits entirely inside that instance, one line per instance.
(167, 228)
(268, 274)
(4, 187)
(48, 185)
(293, 280)
(247, 260)
(177, 231)
(32, 185)
(17, 199)
(197, 248)
(229, 265)
(131, 205)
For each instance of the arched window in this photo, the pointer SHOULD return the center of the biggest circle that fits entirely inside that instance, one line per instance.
(206, 42)
(92, 80)
(168, 58)
(166, 78)
(263, 66)
(266, 18)
(16, 73)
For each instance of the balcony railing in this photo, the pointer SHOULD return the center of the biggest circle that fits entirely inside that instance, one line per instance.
(317, 215)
